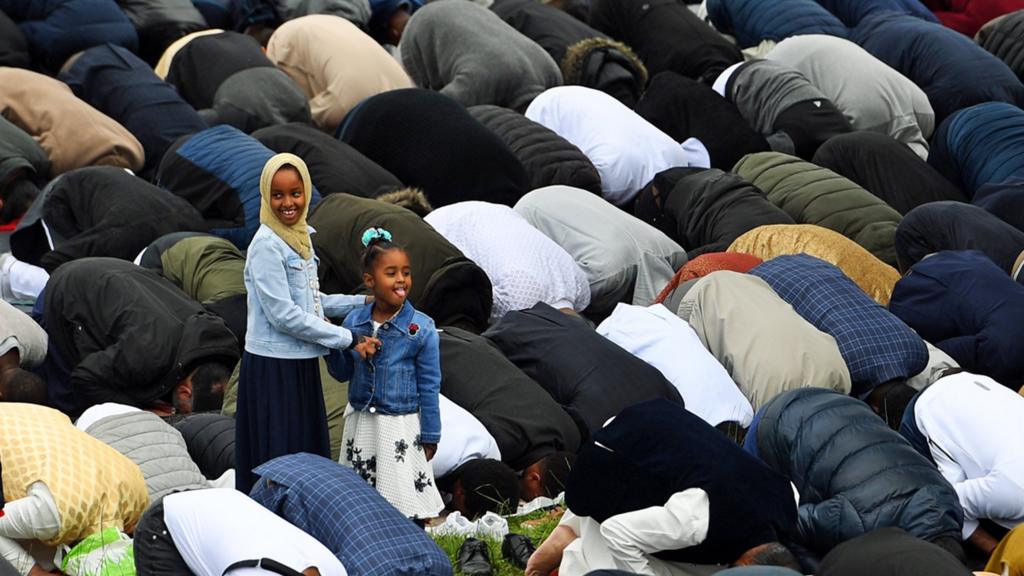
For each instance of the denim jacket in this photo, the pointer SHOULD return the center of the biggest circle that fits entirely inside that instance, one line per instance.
(286, 308)
(405, 374)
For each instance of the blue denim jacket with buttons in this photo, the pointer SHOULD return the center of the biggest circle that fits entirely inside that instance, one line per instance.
(405, 374)
(286, 309)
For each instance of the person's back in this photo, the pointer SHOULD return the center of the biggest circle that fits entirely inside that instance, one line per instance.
(980, 145)
(590, 376)
(877, 346)
(854, 474)
(967, 425)
(950, 225)
(334, 505)
(964, 304)
(656, 450)
(750, 330)
(469, 53)
(525, 421)
(128, 335)
(890, 552)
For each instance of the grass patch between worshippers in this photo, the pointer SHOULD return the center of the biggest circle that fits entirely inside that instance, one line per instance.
(537, 526)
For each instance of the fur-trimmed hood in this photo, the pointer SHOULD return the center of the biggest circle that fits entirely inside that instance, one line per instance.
(606, 65)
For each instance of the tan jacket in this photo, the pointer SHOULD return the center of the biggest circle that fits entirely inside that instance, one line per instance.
(93, 485)
(72, 133)
(873, 276)
(764, 344)
(335, 64)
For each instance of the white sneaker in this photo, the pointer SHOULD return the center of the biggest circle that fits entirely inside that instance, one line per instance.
(454, 525)
(492, 527)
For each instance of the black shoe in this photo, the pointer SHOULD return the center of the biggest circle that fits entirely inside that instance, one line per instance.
(474, 559)
(517, 549)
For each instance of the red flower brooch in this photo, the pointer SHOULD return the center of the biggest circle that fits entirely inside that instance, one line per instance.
(413, 329)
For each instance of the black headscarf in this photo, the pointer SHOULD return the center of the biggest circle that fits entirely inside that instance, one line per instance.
(684, 108)
(887, 168)
(333, 165)
(431, 142)
(956, 226)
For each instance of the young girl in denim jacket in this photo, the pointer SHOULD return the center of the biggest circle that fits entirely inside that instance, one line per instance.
(280, 401)
(392, 423)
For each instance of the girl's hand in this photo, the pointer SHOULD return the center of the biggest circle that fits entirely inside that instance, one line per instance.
(367, 347)
(429, 450)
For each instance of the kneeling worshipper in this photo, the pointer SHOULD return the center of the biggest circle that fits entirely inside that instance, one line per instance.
(968, 426)
(126, 335)
(750, 330)
(332, 503)
(627, 150)
(222, 531)
(624, 258)
(853, 472)
(530, 270)
(970, 309)
(61, 485)
(658, 491)
(939, 226)
(22, 347)
(983, 144)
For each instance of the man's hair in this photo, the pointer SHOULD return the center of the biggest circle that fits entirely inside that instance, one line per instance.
(775, 554)
(208, 383)
(733, 430)
(893, 403)
(554, 472)
(27, 387)
(489, 486)
(412, 199)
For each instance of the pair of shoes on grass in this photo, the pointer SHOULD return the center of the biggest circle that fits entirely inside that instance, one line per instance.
(474, 559)
(490, 526)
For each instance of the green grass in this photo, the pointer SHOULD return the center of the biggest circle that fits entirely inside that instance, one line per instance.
(537, 526)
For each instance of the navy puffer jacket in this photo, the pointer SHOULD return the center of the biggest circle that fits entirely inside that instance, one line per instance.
(854, 474)
(752, 21)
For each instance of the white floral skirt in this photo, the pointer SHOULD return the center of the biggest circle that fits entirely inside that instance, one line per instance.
(385, 450)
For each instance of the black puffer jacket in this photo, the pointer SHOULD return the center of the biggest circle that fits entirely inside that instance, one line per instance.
(99, 211)
(548, 158)
(333, 165)
(854, 474)
(705, 210)
(128, 335)
(211, 442)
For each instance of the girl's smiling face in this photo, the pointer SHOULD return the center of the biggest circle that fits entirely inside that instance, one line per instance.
(391, 278)
(287, 195)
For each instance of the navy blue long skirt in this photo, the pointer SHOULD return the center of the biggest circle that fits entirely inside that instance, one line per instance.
(280, 411)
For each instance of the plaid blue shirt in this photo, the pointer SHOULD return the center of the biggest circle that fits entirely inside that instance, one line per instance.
(876, 345)
(334, 505)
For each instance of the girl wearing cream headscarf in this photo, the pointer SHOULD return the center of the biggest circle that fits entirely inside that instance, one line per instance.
(280, 401)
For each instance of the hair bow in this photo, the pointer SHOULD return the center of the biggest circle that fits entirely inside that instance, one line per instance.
(372, 234)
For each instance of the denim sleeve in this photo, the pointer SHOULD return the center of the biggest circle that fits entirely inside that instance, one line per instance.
(339, 305)
(340, 365)
(428, 381)
(270, 282)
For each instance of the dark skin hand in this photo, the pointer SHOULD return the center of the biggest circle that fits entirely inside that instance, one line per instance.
(983, 541)
(429, 450)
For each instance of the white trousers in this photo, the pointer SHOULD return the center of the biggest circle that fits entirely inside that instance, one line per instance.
(22, 281)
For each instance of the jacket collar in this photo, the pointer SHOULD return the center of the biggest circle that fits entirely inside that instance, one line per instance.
(364, 317)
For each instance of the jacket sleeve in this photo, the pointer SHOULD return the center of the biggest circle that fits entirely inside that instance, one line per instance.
(825, 524)
(339, 305)
(340, 365)
(99, 376)
(681, 523)
(270, 284)
(428, 382)
(991, 496)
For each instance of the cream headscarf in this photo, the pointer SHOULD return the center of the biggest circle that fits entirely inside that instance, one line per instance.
(296, 235)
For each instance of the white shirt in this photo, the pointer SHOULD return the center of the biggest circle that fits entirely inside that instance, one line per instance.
(974, 427)
(667, 342)
(215, 528)
(627, 150)
(464, 439)
(524, 265)
(722, 82)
